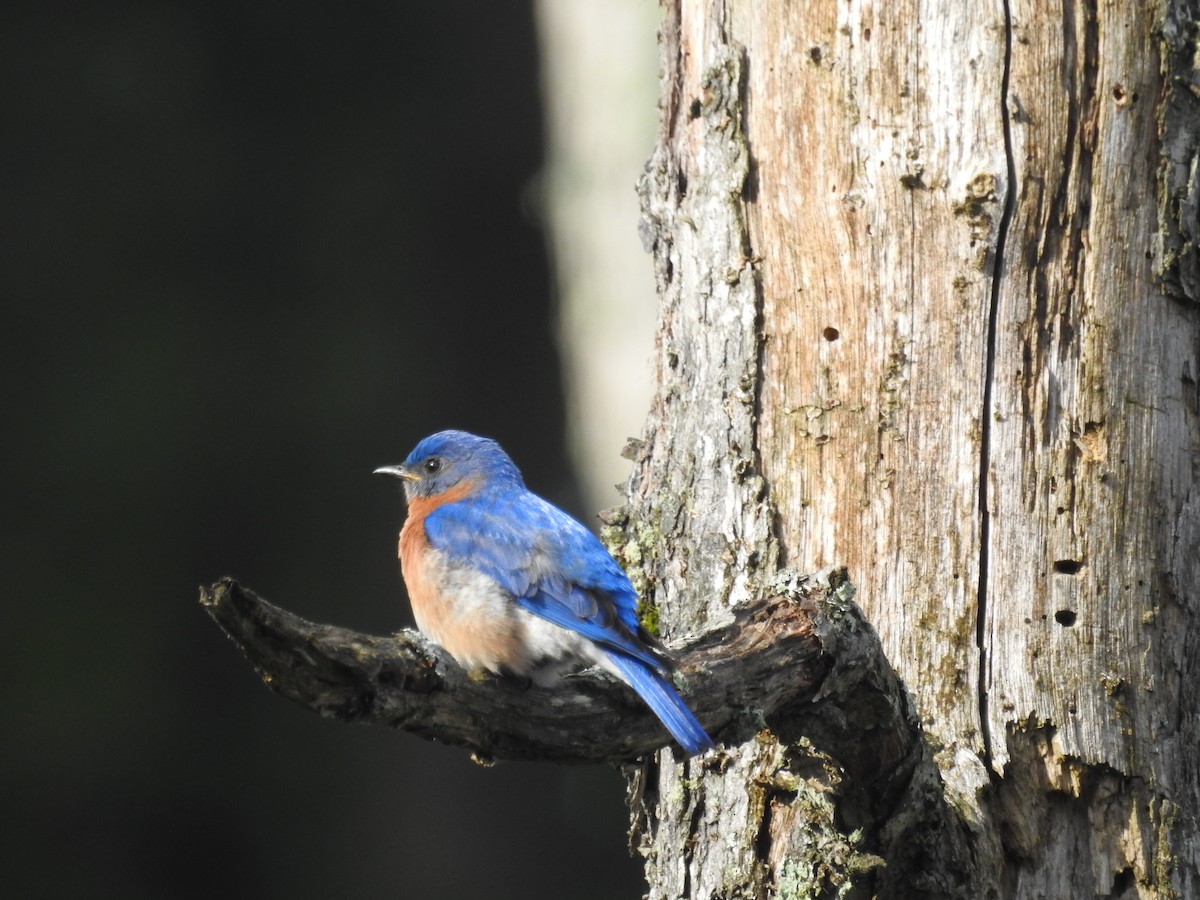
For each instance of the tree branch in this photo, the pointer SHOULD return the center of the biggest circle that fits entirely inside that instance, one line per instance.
(772, 663)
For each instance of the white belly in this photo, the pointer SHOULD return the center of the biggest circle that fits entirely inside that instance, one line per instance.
(482, 627)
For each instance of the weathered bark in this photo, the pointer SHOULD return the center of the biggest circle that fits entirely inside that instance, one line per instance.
(796, 686)
(928, 311)
(778, 654)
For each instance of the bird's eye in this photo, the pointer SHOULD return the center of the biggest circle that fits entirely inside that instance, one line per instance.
(433, 465)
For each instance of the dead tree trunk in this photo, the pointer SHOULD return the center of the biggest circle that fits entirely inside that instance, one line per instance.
(928, 277)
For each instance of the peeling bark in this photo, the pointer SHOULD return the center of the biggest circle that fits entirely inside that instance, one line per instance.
(961, 233)
(786, 656)
(818, 735)
(1177, 250)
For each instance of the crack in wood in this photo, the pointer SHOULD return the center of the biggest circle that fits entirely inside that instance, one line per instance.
(985, 439)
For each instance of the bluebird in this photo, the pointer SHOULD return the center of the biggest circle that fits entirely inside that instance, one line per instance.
(507, 582)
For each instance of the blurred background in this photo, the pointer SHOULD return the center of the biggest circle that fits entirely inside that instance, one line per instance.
(248, 253)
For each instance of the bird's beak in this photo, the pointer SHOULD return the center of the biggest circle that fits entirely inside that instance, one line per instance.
(396, 472)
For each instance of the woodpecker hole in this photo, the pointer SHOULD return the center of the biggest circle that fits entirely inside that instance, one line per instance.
(1065, 617)
(1067, 566)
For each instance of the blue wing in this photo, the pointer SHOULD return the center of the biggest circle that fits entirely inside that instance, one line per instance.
(557, 569)
(551, 564)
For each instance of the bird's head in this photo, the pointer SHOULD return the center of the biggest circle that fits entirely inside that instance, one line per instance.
(449, 459)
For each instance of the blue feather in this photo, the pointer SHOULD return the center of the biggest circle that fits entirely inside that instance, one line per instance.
(654, 688)
(543, 558)
(595, 628)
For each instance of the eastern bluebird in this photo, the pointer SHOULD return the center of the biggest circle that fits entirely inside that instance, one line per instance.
(505, 581)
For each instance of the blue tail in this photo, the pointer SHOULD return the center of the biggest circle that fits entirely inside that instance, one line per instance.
(654, 688)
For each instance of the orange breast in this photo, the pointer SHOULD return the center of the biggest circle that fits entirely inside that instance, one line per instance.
(462, 610)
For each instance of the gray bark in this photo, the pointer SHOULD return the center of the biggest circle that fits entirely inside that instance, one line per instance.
(775, 655)
(927, 312)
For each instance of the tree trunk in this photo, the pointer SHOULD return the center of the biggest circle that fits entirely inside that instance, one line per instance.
(928, 284)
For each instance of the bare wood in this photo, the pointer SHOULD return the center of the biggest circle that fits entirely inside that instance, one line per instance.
(1092, 466)
(788, 810)
(876, 218)
(969, 231)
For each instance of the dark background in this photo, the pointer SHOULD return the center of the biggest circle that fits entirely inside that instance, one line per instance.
(248, 253)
